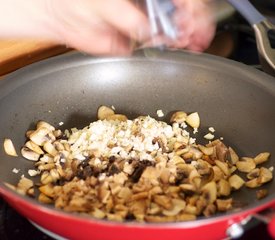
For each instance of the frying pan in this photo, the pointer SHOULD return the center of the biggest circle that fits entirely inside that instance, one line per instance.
(236, 99)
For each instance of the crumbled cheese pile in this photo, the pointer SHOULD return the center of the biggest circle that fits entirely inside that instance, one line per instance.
(136, 138)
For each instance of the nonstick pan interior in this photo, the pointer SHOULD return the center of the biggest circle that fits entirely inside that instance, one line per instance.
(236, 100)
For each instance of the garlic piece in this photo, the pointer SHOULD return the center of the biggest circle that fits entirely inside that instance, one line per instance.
(9, 148)
(193, 120)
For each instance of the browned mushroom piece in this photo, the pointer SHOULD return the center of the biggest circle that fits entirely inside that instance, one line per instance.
(41, 135)
(209, 192)
(236, 182)
(246, 164)
(233, 157)
(224, 204)
(29, 154)
(178, 117)
(224, 188)
(261, 158)
(262, 193)
(103, 112)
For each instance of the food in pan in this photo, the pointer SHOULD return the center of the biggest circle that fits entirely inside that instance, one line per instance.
(141, 169)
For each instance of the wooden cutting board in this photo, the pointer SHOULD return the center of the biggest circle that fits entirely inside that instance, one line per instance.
(16, 54)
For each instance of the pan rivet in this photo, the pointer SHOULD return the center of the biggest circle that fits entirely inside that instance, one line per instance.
(235, 230)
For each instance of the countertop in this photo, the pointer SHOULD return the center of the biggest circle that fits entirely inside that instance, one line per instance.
(16, 54)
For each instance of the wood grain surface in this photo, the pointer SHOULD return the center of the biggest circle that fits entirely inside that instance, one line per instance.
(16, 54)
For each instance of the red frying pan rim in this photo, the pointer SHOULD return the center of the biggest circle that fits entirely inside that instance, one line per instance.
(50, 210)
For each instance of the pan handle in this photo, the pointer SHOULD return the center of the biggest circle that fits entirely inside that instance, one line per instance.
(263, 29)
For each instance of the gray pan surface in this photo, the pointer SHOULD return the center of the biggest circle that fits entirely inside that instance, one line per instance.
(238, 101)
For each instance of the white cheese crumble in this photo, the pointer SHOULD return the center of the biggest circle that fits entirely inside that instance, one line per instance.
(160, 113)
(209, 136)
(15, 170)
(195, 130)
(33, 172)
(211, 129)
(61, 123)
(192, 140)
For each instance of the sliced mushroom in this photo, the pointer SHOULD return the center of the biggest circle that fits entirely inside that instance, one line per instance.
(49, 148)
(188, 189)
(223, 166)
(9, 148)
(193, 120)
(262, 193)
(103, 112)
(209, 192)
(196, 153)
(261, 158)
(221, 150)
(178, 117)
(253, 174)
(224, 188)
(43, 124)
(265, 175)
(46, 178)
(178, 206)
(40, 136)
(246, 165)
(186, 217)
(224, 204)
(190, 209)
(34, 147)
(47, 166)
(206, 150)
(234, 158)
(218, 173)
(48, 190)
(253, 183)
(28, 133)
(163, 201)
(44, 199)
(29, 154)
(24, 185)
(97, 213)
(236, 182)
(117, 117)
(209, 210)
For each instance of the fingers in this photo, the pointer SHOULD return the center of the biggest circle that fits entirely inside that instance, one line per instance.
(125, 17)
(195, 25)
(100, 43)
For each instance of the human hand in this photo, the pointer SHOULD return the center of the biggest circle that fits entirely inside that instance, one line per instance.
(102, 27)
(99, 26)
(195, 26)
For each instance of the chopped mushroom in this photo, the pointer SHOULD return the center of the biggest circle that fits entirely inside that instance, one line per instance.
(224, 204)
(104, 112)
(234, 158)
(141, 169)
(29, 154)
(262, 193)
(178, 117)
(246, 165)
(236, 182)
(261, 158)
